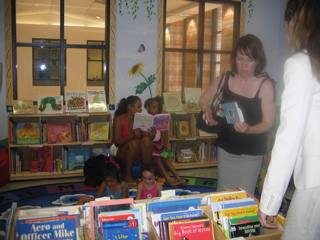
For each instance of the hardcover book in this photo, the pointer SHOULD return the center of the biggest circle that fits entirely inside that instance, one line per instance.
(125, 229)
(192, 96)
(59, 132)
(97, 101)
(75, 101)
(50, 104)
(174, 205)
(77, 157)
(41, 159)
(172, 102)
(22, 106)
(144, 121)
(224, 196)
(245, 226)
(232, 112)
(99, 131)
(27, 133)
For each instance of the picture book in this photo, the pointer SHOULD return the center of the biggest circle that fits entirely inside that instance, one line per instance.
(77, 157)
(174, 205)
(41, 159)
(193, 229)
(232, 203)
(232, 112)
(96, 151)
(60, 227)
(245, 226)
(185, 153)
(97, 207)
(97, 101)
(172, 101)
(224, 196)
(22, 106)
(125, 229)
(76, 101)
(170, 216)
(59, 132)
(50, 104)
(27, 133)
(192, 96)
(11, 217)
(143, 210)
(99, 131)
(144, 121)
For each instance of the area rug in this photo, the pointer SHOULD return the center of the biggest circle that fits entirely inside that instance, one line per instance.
(65, 194)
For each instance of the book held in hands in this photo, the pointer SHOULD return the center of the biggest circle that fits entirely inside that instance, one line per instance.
(160, 122)
(232, 112)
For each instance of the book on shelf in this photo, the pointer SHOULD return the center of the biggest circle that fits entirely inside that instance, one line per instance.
(75, 101)
(202, 133)
(50, 104)
(172, 101)
(97, 101)
(22, 106)
(76, 157)
(17, 161)
(232, 112)
(192, 229)
(200, 149)
(245, 226)
(41, 159)
(184, 129)
(185, 153)
(144, 121)
(192, 96)
(96, 151)
(59, 132)
(98, 131)
(27, 133)
(96, 207)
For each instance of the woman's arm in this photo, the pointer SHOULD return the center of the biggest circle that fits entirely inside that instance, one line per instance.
(268, 106)
(125, 190)
(139, 191)
(206, 97)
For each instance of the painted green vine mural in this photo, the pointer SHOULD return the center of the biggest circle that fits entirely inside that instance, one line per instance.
(250, 10)
(133, 6)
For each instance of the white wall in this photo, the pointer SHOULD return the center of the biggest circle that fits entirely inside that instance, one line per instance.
(267, 23)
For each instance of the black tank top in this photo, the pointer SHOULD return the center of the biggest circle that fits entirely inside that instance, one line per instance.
(237, 143)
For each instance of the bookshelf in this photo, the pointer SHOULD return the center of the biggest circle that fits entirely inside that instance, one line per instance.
(183, 132)
(20, 154)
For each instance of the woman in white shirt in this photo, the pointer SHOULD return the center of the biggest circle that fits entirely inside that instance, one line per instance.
(297, 145)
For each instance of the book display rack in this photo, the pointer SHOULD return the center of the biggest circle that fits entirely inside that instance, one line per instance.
(61, 132)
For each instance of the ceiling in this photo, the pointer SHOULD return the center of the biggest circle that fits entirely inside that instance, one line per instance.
(89, 13)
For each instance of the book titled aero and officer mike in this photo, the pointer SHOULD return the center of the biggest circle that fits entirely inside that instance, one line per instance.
(160, 122)
(232, 112)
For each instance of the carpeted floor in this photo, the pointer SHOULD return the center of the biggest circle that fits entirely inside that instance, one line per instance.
(64, 194)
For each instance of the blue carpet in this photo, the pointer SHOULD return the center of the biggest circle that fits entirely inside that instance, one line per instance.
(65, 194)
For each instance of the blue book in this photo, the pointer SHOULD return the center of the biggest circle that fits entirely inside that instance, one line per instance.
(232, 112)
(174, 205)
(125, 229)
(77, 157)
(232, 203)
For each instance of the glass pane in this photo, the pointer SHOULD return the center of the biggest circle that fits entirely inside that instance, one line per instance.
(37, 18)
(84, 20)
(191, 70)
(182, 24)
(25, 76)
(173, 72)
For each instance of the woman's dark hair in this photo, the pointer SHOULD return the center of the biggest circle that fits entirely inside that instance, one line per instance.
(250, 46)
(112, 171)
(304, 16)
(122, 106)
(158, 99)
(150, 167)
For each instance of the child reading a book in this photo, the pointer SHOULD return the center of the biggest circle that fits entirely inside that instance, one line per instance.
(112, 186)
(149, 187)
(154, 106)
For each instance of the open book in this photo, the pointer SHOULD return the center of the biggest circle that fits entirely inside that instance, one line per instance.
(232, 112)
(144, 121)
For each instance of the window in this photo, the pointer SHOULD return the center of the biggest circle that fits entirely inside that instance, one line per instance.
(198, 42)
(52, 42)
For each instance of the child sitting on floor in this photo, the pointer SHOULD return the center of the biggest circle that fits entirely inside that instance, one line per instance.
(149, 187)
(112, 186)
(154, 106)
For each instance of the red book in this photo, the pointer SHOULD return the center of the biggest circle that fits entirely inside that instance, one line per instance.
(59, 132)
(41, 159)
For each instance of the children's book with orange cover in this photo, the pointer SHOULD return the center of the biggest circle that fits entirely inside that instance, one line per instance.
(99, 131)
(59, 132)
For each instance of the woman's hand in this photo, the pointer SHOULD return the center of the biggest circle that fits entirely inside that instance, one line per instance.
(136, 132)
(263, 220)
(208, 113)
(241, 127)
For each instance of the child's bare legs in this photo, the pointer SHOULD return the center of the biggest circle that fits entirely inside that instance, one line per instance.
(85, 199)
(129, 154)
(169, 180)
(146, 149)
(172, 169)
